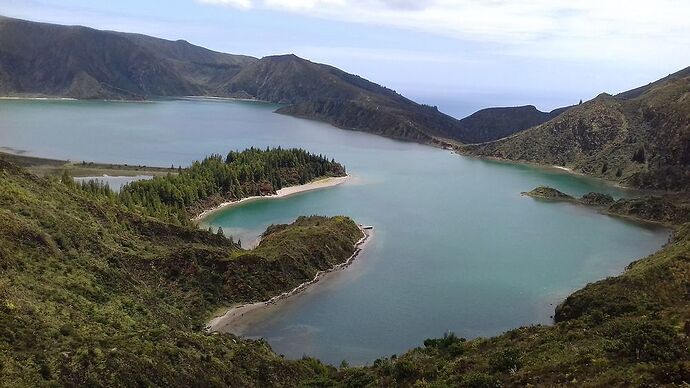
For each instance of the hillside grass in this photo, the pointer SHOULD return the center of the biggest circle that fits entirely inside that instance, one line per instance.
(92, 294)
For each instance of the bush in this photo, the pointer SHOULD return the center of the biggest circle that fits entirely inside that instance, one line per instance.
(648, 341)
(404, 370)
(506, 360)
(478, 380)
(450, 343)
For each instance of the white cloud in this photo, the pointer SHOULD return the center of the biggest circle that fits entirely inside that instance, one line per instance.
(242, 4)
(601, 29)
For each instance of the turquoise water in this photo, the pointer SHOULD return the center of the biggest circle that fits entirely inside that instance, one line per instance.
(455, 246)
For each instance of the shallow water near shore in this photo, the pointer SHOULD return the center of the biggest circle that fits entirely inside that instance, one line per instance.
(455, 246)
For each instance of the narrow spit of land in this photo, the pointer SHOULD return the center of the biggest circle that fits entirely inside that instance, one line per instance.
(225, 322)
(45, 166)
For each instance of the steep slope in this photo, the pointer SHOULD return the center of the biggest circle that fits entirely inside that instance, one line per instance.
(495, 123)
(80, 62)
(323, 92)
(642, 141)
(637, 92)
(94, 295)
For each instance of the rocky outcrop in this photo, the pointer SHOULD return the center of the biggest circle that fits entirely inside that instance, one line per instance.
(545, 192)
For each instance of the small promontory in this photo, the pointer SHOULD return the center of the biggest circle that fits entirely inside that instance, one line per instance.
(665, 209)
(545, 192)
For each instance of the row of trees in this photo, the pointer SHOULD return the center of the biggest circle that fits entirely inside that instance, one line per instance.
(233, 177)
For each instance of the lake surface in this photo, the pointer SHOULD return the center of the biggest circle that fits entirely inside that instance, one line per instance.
(455, 246)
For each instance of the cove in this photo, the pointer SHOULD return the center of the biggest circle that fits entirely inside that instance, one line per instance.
(455, 246)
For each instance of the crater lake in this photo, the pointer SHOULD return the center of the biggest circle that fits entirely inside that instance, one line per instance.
(455, 247)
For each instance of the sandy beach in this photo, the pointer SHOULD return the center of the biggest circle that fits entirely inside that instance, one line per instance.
(224, 322)
(282, 193)
(564, 169)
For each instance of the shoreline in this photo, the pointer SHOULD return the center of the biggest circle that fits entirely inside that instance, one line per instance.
(282, 193)
(552, 167)
(38, 98)
(43, 166)
(19, 98)
(224, 322)
(217, 98)
(58, 98)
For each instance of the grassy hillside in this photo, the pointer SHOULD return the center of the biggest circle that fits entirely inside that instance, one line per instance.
(640, 138)
(94, 295)
(323, 92)
(81, 62)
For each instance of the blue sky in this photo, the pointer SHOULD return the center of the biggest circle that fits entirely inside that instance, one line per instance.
(460, 55)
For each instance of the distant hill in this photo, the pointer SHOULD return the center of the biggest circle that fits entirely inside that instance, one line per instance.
(323, 92)
(80, 62)
(39, 59)
(496, 123)
(640, 137)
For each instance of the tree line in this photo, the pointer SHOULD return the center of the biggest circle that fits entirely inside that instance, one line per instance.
(216, 179)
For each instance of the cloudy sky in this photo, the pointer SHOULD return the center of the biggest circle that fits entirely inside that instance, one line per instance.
(460, 55)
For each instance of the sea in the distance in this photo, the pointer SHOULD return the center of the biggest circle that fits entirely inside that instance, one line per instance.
(455, 246)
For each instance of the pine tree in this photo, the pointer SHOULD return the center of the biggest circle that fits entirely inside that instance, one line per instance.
(67, 179)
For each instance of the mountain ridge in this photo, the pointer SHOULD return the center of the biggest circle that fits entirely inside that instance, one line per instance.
(639, 138)
(42, 59)
(499, 122)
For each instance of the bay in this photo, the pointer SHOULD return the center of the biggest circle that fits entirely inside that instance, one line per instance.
(455, 246)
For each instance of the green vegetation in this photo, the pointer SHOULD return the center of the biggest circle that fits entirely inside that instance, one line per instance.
(639, 138)
(215, 180)
(670, 209)
(92, 294)
(544, 192)
(495, 123)
(663, 209)
(597, 199)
